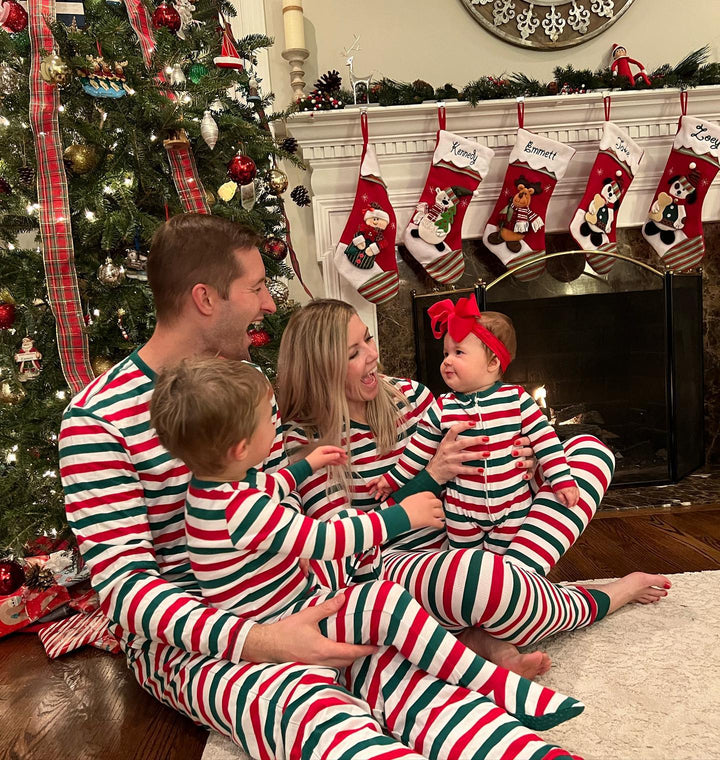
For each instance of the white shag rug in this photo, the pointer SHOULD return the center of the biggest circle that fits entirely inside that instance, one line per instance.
(649, 676)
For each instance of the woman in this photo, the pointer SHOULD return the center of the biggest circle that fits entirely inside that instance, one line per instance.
(330, 390)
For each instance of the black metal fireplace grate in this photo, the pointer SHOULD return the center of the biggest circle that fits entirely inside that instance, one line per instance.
(623, 364)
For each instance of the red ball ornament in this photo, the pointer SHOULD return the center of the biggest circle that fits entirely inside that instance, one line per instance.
(259, 337)
(242, 169)
(7, 315)
(13, 17)
(11, 577)
(166, 15)
(274, 248)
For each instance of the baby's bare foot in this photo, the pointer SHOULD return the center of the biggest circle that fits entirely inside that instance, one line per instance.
(505, 654)
(643, 588)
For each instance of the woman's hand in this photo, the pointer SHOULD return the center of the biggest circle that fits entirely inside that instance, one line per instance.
(525, 456)
(448, 460)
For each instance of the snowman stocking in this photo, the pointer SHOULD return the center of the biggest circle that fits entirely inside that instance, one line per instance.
(674, 225)
(594, 224)
(515, 230)
(365, 255)
(433, 235)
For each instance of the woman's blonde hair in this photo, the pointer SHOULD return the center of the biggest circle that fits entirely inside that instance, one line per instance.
(312, 370)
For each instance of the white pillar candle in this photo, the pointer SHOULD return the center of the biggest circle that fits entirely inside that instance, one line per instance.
(294, 23)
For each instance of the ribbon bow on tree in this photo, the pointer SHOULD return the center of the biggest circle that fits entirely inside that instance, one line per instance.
(462, 318)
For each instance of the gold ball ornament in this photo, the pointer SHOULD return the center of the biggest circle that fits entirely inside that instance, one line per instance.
(54, 70)
(279, 292)
(10, 395)
(80, 159)
(278, 181)
(227, 191)
(210, 197)
(101, 364)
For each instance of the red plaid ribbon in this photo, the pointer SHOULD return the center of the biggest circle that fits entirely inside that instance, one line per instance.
(54, 212)
(182, 163)
(187, 182)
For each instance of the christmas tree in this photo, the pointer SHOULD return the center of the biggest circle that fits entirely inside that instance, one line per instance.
(151, 118)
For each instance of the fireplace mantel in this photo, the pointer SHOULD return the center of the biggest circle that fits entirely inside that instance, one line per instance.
(404, 137)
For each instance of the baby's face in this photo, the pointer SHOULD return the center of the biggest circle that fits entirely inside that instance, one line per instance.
(466, 367)
(261, 442)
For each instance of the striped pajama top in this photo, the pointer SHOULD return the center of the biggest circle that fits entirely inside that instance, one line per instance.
(244, 545)
(503, 413)
(125, 501)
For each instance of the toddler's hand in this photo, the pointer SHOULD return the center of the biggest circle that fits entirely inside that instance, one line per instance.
(424, 510)
(304, 566)
(569, 497)
(380, 488)
(323, 456)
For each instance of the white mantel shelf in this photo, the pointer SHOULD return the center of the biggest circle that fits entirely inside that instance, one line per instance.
(404, 137)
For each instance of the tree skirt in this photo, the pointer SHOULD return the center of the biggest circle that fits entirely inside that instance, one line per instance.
(649, 677)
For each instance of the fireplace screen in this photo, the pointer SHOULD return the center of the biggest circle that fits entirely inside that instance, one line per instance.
(624, 364)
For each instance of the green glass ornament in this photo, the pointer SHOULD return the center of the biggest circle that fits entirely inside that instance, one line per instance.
(197, 71)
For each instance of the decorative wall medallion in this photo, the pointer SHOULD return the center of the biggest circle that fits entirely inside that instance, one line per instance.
(546, 24)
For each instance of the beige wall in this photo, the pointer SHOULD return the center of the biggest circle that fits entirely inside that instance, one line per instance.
(438, 41)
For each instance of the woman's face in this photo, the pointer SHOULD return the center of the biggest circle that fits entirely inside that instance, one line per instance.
(361, 384)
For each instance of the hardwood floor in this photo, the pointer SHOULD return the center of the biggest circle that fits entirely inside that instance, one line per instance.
(87, 705)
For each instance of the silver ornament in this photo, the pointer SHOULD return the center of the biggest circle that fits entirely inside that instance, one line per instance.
(217, 106)
(209, 130)
(110, 273)
(279, 292)
(177, 75)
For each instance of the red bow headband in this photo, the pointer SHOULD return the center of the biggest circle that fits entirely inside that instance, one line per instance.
(461, 319)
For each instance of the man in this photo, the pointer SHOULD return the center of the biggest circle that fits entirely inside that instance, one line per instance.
(125, 497)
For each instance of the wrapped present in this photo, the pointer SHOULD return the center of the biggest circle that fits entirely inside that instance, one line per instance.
(78, 631)
(26, 606)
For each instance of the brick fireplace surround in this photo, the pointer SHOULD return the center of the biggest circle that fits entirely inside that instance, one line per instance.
(404, 139)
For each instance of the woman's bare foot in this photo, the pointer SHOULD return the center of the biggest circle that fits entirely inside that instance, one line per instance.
(505, 654)
(636, 587)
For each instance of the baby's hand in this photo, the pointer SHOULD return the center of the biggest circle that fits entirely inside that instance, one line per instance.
(323, 456)
(569, 497)
(424, 510)
(380, 488)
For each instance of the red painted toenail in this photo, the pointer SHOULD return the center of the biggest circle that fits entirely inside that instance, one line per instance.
(667, 585)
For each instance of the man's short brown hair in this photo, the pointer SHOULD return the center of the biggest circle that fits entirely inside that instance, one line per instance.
(193, 248)
(501, 326)
(200, 408)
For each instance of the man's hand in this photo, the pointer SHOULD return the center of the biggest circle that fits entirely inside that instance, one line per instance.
(297, 638)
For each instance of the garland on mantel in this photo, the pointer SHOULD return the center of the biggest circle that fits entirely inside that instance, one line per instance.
(692, 71)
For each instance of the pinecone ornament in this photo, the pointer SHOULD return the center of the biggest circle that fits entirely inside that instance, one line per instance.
(301, 196)
(289, 144)
(26, 174)
(38, 577)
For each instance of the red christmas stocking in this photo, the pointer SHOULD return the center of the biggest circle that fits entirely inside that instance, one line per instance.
(674, 225)
(515, 230)
(365, 255)
(594, 224)
(433, 235)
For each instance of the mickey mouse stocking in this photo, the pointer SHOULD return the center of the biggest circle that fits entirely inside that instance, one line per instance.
(433, 235)
(365, 255)
(515, 230)
(594, 224)
(674, 224)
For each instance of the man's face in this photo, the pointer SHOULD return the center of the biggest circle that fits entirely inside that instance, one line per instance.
(247, 302)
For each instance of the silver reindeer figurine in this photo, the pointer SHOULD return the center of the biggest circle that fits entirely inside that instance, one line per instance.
(356, 80)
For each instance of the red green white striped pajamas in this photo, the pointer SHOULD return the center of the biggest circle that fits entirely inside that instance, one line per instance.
(125, 502)
(244, 546)
(485, 510)
(467, 587)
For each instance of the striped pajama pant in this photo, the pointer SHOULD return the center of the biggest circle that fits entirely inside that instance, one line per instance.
(508, 595)
(298, 712)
